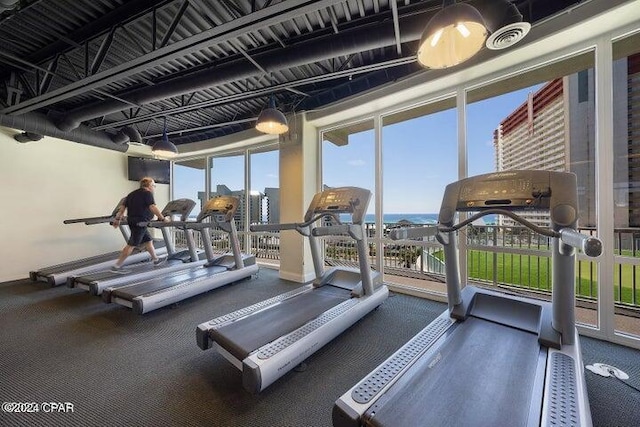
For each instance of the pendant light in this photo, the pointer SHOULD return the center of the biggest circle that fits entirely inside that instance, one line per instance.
(163, 147)
(452, 36)
(271, 120)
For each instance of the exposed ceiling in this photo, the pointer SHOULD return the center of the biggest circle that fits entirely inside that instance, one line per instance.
(94, 67)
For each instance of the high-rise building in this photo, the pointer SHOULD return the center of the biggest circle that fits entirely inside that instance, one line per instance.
(272, 195)
(255, 204)
(554, 130)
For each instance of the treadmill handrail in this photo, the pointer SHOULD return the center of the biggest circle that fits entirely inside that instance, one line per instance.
(589, 245)
(299, 226)
(94, 220)
(274, 227)
(331, 230)
(413, 232)
(355, 231)
(183, 224)
(540, 230)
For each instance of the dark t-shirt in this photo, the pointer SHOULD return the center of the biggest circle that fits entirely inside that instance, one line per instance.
(137, 204)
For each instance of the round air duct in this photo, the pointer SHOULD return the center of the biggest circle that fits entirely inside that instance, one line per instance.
(504, 21)
(508, 35)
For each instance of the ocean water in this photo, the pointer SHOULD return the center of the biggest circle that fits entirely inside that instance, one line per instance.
(414, 218)
(394, 218)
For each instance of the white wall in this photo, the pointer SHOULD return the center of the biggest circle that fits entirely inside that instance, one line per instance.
(42, 184)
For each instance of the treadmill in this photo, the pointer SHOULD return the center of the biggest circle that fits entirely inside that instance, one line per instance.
(96, 281)
(58, 274)
(151, 294)
(268, 339)
(491, 359)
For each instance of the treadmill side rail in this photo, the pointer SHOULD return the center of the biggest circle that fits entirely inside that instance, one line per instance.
(565, 388)
(203, 329)
(265, 365)
(351, 406)
(146, 303)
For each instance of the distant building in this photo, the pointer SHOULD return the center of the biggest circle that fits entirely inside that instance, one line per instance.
(554, 130)
(255, 204)
(272, 196)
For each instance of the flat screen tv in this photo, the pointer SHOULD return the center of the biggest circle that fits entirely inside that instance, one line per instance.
(139, 167)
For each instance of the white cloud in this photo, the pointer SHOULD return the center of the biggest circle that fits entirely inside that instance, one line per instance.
(357, 162)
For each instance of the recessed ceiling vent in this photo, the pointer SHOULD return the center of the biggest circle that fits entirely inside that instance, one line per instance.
(508, 35)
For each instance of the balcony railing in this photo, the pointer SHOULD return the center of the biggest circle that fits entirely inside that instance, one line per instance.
(499, 256)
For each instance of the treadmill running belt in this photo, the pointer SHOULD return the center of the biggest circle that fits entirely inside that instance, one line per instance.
(250, 333)
(483, 376)
(164, 282)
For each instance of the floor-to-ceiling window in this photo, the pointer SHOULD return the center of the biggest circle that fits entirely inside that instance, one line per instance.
(626, 184)
(228, 179)
(348, 159)
(419, 158)
(188, 181)
(264, 190)
(543, 119)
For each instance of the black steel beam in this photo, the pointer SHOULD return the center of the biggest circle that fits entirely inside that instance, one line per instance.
(260, 19)
(129, 11)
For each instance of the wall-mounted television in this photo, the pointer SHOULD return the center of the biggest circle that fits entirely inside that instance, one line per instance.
(139, 167)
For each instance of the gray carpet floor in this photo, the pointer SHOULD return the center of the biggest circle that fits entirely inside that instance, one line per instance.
(120, 369)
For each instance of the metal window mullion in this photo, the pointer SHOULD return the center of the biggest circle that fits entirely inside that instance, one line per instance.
(247, 201)
(461, 108)
(377, 124)
(604, 180)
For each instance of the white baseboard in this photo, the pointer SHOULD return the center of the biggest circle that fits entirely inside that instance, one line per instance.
(297, 277)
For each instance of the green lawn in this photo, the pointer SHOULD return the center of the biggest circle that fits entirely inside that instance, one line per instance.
(533, 272)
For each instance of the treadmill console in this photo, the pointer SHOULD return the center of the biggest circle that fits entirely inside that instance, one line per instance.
(220, 209)
(516, 190)
(506, 190)
(340, 200)
(182, 207)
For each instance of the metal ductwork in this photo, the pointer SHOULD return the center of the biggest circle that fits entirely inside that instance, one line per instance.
(133, 134)
(8, 5)
(127, 134)
(374, 36)
(27, 137)
(39, 124)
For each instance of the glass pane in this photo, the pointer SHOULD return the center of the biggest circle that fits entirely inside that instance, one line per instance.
(265, 204)
(348, 160)
(189, 182)
(227, 179)
(419, 158)
(548, 125)
(626, 191)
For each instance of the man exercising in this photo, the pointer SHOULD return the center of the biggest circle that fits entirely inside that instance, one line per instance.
(141, 207)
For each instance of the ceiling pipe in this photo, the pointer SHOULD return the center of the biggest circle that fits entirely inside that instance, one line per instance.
(8, 5)
(370, 37)
(40, 124)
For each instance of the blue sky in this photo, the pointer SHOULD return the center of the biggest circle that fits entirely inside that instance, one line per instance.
(419, 158)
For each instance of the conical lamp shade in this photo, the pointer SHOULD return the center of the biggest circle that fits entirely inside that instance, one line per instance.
(163, 147)
(271, 120)
(452, 36)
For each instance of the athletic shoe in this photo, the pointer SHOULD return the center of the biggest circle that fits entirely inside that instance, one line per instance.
(159, 261)
(119, 270)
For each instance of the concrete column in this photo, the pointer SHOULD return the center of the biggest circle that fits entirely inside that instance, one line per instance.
(299, 181)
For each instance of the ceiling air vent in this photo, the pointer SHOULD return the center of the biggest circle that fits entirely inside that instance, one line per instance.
(508, 35)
